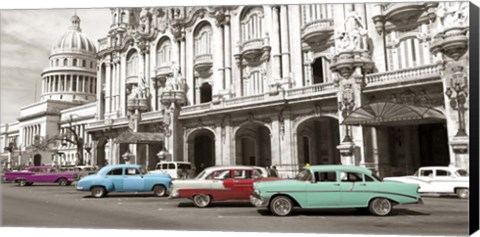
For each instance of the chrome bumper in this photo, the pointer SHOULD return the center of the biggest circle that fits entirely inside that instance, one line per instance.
(259, 201)
(79, 188)
(173, 194)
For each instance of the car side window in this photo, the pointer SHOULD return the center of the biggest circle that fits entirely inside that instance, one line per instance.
(326, 176)
(426, 173)
(117, 171)
(350, 177)
(242, 174)
(164, 166)
(442, 173)
(132, 171)
(171, 166)
(223, 174)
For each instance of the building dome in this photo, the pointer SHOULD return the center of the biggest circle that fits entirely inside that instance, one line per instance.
(71, 74)
(74, 40)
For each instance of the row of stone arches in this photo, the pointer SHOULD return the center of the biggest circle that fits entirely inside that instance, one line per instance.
(252, 144)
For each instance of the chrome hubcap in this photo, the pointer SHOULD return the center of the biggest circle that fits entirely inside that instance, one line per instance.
(281, 206)
(97, 192)
(202, 200)
(463, 193)
(381, 206)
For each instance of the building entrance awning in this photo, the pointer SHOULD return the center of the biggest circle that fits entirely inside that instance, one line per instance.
(390, 114)
(139, 137)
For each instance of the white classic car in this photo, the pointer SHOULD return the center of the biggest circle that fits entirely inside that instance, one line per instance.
(176, 169)
(439, 179)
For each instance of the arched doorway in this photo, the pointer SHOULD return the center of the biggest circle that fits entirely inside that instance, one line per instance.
(37, 160)
(253, 145)
(201, 149)
(317, 140)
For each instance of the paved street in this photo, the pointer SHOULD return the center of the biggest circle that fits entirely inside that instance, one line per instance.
(54, 206)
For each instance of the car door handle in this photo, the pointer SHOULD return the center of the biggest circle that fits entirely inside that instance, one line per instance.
(363, 184)
(336, 184)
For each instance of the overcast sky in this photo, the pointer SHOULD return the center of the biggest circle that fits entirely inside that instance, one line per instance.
(26, 37)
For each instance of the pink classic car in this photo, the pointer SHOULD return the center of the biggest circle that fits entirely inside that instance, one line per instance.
(40, 174)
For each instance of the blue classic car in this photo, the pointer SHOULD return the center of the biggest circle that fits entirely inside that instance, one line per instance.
(334, 186)
(124, 178)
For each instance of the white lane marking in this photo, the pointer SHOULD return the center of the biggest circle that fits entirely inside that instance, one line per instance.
(160, 209)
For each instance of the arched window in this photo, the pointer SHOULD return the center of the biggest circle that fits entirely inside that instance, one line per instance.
(253, 84)
(74, 62)
(164, 52)
(406, 50)
(205, 93)
(65, 62)
(132, 64)
(252, 24)
(84, 63)
(123, 18)
(314, 12)
(203, 39)
(57, 62)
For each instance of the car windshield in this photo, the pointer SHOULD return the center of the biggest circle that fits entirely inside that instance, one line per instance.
(462, 172)
(199, 176)
(304, 175)
(377, 177)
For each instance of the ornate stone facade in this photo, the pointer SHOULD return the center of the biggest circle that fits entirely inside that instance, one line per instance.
(377, 85)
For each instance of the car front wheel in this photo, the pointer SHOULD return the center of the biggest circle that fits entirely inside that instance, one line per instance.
(462, 193)
(380, 207)
(159, 190)
(202, 200)
(62, 182)
(281, 206)
(98, 192)
(22, 183)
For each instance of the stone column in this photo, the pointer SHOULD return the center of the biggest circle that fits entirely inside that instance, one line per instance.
(285, 43)
(218, 76)
(228, 58)
(276, 61)
(123, 95)
(108, 86)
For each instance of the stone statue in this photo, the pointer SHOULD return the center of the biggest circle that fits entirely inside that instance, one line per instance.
(175, 82)
(355, 35)
(452, 15)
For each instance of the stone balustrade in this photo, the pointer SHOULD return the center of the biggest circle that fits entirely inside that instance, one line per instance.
(313, 89)
(403, 75)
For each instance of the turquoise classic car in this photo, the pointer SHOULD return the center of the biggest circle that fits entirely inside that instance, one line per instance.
(124, 178)
(333, 186)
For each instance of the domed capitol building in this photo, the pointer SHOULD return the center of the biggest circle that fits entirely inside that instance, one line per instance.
(383, 86)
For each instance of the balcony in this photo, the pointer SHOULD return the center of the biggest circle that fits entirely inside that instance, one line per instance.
(253, 51)
(203, 65)
(318, 32)
(405, 13)
(419, 75)
(163, 71)
(323, 88)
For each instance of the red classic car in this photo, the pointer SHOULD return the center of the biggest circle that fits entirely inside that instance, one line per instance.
(220, 183)
(40, 174)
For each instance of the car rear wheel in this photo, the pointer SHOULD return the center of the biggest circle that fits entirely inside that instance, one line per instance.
(380, 206)
(22, 183)
(62, 182)
(463, 193)
(159, 190)
(202, 200)
(98, 192)
(29, 183)
(281, 206)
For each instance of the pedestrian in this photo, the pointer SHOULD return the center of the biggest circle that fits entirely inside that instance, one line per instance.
(274, 171)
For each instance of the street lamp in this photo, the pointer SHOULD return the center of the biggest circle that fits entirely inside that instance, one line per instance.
(88, 148)
(457, 93)
(10, 148)
(346, 107)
